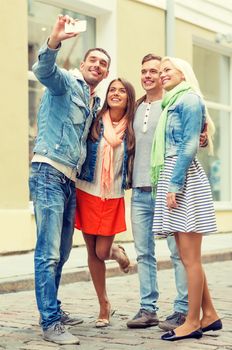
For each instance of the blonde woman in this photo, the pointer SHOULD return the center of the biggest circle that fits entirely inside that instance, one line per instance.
(184, 205)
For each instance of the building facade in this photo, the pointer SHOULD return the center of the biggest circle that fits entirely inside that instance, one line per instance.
(198, 31)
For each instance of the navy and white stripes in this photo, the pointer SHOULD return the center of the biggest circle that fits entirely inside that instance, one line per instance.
(195, 212)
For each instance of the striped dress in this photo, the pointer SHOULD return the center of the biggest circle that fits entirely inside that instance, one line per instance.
(195, 212)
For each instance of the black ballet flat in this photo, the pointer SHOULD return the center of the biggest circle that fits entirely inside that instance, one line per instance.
(171, 336)
(215, 326)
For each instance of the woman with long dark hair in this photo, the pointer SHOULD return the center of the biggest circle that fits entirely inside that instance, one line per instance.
(106, 173)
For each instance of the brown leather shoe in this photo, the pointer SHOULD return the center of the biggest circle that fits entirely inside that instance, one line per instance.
(143, 319)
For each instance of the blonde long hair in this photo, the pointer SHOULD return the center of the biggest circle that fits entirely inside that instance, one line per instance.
(191, 79)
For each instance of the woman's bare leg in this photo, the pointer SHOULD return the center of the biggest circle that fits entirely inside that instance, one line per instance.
(101, 248)
(209, 313)
(98, 249)
(189, 247)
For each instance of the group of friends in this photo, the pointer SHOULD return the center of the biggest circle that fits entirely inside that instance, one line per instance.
(85, 157)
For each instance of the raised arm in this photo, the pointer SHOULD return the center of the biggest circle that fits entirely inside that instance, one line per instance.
(46, 69)
(58, 33)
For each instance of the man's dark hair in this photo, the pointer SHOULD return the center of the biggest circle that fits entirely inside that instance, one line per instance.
(98, 49)
(151, 56)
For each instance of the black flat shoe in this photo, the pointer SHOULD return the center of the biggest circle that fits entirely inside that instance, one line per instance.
(171, 336)
(215, 326)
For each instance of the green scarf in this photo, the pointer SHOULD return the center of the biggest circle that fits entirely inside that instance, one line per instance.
(158, 145)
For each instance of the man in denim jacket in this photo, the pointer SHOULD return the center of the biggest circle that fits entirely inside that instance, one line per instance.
(67, 109)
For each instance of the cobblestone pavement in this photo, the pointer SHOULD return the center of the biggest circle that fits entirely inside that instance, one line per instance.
(19, 318)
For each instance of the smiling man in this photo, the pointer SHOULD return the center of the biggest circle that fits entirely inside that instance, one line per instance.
(147, 114)
(67, 109)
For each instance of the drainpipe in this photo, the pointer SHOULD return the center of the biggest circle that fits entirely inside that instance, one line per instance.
(170, 28)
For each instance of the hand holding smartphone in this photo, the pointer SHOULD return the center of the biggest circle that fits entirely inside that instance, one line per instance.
(77, 27)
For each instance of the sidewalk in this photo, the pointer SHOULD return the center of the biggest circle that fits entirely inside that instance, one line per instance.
(16, 271)
(19, 329)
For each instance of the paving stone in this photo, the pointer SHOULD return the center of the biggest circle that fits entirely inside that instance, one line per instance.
(19, 328)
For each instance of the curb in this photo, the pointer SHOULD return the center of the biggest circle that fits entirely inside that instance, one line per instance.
(80, 275)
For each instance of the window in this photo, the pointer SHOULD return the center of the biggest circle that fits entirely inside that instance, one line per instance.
(41, 18)
(213, 72)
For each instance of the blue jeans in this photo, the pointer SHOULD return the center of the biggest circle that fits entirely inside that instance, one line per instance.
(181, 300)
(142, 212)
(54, 198)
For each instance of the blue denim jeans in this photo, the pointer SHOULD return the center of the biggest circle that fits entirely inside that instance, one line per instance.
(142, 212)
(181, 300)
(54, 199)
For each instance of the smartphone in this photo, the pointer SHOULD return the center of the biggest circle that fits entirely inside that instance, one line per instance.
(77, 27)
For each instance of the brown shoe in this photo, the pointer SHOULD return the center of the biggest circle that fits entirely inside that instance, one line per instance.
(125, 266)
(173, 321)
(143, 319)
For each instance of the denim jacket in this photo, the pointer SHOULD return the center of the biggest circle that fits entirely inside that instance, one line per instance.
(88, 168)
(185, 122)
(64, 115)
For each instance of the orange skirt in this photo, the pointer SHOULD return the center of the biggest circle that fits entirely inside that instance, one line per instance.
(99, 217)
